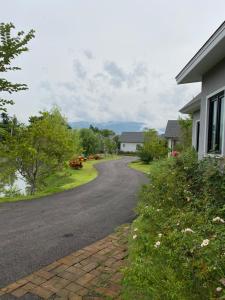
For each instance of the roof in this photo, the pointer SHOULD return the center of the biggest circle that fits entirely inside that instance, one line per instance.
(211, 53)
(132, 137)
(172, 129)
(192, 105)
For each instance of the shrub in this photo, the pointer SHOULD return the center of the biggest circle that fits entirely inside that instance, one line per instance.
(154, 147)
(178, 250)
(76, 164)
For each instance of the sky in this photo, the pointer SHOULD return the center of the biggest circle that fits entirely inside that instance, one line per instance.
(109, 60)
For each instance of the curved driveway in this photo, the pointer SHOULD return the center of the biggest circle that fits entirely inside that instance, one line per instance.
(37, 232)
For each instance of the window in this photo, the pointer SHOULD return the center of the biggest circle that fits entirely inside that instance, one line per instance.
(124, 145)
(216, 123)
(197, 135)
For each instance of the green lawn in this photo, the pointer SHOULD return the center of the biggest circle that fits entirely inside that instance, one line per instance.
(65, 180)
(140, 166)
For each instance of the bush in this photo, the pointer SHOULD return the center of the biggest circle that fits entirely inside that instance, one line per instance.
(177, 248)
(154, 147)
(76, 164)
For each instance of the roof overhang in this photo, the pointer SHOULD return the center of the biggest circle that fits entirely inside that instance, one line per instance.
(211, 53)
(192, 106)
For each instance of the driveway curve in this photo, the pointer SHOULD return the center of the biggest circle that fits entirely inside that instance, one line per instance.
(37, 232)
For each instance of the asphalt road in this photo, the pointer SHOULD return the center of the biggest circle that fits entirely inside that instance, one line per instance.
(37, 232)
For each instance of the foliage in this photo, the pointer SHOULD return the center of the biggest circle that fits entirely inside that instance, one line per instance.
(62, 180)
(110, 146)
(41, 148)
(8, 125)
(185, 141)
(154, 147)
(89, 141)
(104, 132)
(10, 48)
(177, 244)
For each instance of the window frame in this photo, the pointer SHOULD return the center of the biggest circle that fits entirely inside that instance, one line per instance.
(216, 98)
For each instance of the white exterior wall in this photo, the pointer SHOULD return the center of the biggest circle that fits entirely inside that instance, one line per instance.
(129, 147)
(212, 83)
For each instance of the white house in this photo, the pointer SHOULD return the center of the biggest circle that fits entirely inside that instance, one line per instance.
(208, 108)
(129, 141)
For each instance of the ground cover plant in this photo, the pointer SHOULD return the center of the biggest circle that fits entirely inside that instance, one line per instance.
(177, 248)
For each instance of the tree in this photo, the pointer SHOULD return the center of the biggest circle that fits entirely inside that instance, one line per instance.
(42, 148)
(8, 124)
(10, 48)
(154, 147)
(90, 141)
(110, 146)
(186, 134)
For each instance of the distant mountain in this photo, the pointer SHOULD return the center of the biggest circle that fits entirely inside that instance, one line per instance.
(117, 127)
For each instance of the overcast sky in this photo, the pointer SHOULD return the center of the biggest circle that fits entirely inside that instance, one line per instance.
(109, 60)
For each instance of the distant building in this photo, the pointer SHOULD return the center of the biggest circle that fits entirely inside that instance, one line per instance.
(172, 133)
(130, 141)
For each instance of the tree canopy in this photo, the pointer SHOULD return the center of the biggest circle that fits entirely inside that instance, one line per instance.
(11, 47)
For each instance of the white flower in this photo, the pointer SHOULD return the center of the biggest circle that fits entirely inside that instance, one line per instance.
(157, 244)
(188, 199)
(218, 219)
(218, 289)
(160, 235)
(157, 209)
(187, 230)
(205, 243)
(135, 229)
(134, 236)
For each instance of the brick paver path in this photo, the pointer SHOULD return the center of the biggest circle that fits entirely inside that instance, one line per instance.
(90, 273)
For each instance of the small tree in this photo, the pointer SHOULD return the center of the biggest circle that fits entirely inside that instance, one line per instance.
(90, 141)
(41, 148)
(185, 141)
(10, 48)
(154, 147)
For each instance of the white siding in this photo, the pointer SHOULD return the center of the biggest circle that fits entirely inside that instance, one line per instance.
(129, 147)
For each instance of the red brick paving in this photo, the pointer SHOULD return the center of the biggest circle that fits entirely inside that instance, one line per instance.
(92, 273)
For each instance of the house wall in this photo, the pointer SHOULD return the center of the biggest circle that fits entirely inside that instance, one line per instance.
(171, 143)
(129, 147)
(196, 118)
(212, 83)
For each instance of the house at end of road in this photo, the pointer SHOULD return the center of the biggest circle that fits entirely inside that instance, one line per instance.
(172, 134)
(208, 108)
(130, 141)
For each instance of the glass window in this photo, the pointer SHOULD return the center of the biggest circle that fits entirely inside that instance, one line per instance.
(197, 134)
(216, 123)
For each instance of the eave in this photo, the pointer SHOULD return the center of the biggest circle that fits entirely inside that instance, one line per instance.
(211, 53)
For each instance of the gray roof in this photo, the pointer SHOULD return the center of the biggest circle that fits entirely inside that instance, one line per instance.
(172, 129)
(211, 53)
(192, 105)
(132, 137)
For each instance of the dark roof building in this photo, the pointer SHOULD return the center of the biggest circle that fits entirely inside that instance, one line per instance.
(132, 137)
(173, 129)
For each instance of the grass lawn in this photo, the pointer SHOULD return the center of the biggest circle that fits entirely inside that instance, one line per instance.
(140, 166)
(65, 180)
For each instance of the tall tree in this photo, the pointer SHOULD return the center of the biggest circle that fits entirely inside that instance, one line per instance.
(10, 48)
